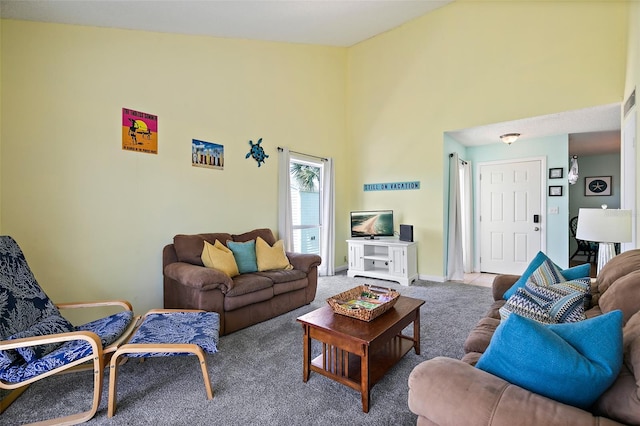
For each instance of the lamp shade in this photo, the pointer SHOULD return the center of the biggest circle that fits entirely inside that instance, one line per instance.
(604, 225)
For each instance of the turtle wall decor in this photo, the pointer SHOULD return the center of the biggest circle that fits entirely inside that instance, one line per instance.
(257, 152)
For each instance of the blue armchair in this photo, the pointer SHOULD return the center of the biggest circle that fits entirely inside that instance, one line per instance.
(36, 341)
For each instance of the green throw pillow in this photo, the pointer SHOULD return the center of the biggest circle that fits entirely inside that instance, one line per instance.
(245, 255)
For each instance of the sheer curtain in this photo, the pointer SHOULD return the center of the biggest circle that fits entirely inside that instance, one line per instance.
(327, 238)
(467, 216)
(285, 221)
(459, 253)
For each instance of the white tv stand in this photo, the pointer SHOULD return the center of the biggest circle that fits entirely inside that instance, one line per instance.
(386, 259)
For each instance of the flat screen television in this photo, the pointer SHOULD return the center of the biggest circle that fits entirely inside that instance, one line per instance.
(372, 224)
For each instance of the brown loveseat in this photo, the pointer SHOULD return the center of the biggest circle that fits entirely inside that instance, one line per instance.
(445, 391)
(243, 300)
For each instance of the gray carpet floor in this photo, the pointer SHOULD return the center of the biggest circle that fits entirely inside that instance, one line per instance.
(257, 374)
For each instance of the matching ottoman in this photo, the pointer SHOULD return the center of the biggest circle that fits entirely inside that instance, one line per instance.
(169, 332)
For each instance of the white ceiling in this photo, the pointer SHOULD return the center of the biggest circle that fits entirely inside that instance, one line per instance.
(591, 130)
(325, 22)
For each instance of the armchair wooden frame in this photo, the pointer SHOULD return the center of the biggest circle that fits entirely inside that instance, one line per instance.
(97, 360)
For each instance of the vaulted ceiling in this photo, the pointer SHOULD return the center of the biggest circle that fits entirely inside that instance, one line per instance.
(325, 22)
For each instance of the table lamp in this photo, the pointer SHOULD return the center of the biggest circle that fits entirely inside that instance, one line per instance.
(606, 227)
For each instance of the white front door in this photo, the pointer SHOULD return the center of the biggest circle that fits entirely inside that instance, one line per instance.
(511, 221)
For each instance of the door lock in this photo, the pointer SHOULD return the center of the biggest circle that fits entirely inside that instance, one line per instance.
(536, 229)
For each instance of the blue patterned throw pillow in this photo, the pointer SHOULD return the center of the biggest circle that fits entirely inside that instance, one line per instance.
(549, 304)
(522, 303)
(546, 274)
(547, 297)
(564, 301)
(580, 271)
(573, 363)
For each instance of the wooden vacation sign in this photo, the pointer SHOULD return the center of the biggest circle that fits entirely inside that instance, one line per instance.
(394, 186)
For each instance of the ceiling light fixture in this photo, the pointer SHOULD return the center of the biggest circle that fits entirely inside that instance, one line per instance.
(509, 138)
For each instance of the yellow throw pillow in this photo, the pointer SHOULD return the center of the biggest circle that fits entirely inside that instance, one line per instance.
(219, 257)
(270, 258)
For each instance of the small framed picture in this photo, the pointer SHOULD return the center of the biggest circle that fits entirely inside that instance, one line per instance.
(555, 191)
(597, 185)
(556, 173)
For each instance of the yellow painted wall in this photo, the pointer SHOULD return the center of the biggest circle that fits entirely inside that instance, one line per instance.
(0, 124)
(92, 218)
(469, 64)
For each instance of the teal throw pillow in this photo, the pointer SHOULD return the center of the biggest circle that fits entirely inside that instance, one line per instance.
(580, 271)
(576, 272)
(573, 363)
(245, 255)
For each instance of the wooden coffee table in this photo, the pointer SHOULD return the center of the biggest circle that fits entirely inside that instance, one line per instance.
(358, 353)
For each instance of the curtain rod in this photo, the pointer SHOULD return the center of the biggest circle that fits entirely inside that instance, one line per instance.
(302, 153)
(459, 159)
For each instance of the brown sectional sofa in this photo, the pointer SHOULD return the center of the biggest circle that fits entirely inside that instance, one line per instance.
(243, 300)
(445, 391)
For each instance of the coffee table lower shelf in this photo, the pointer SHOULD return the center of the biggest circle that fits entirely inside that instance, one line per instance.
(346, 368)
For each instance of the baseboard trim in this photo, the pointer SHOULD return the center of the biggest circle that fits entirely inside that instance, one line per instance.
(435, 278)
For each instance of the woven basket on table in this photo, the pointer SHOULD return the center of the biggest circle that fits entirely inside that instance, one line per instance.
(360, 312)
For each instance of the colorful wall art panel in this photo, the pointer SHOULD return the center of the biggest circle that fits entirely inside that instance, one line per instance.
(139, 131)
(207, 154)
